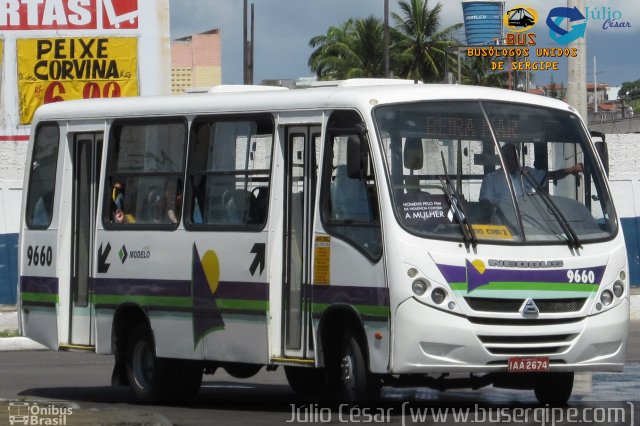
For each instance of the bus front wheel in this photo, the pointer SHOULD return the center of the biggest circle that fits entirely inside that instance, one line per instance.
(554, 388)
(356, 383)
(148, 376)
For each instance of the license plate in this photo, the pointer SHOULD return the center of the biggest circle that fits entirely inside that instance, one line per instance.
(518, 364)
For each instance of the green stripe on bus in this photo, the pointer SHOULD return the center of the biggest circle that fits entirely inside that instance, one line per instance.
(39, 297)
(585, 288)
(180, 302)
(242, 304)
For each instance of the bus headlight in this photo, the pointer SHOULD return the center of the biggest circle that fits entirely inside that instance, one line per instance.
(606, 297)
(438, 295)
(419, 287)
(618, 288)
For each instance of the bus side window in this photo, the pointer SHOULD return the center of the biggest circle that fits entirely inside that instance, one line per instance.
(146, 172)
(349, 195)
(42, 177)
(229, 172)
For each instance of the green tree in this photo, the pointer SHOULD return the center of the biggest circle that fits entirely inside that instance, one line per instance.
(629, 91)
(354, 49)
(478, 72)
(422, 47)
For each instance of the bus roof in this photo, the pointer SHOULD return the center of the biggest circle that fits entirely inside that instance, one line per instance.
(362, 97)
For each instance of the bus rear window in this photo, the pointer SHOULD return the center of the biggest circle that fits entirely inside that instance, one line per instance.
(42, 177)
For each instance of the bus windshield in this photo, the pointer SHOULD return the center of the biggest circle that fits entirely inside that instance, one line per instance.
(493, 172)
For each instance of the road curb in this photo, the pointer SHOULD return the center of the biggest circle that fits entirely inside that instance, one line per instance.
(20, 344)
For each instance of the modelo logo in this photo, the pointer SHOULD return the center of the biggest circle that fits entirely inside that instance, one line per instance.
(140, 254)
(68, 14)
(524, 264)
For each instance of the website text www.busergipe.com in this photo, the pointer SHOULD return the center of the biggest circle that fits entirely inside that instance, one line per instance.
(409, 414)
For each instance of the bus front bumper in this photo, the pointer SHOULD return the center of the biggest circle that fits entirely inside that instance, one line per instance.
(427, 340)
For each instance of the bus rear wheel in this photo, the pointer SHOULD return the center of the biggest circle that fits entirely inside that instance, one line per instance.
(553, 388)
(149, 377)
(355, 381)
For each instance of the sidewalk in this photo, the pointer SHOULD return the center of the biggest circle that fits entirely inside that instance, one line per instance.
(9, 321)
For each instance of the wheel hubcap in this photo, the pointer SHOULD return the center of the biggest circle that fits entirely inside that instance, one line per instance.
(346, 370)
(142, 365)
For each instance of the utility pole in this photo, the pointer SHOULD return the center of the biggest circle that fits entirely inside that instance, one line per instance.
(247, 46)
(577, 69)
(595, 87)
(386, 39)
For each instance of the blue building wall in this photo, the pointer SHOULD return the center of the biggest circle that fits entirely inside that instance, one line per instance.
(631, 230)
(8, 268)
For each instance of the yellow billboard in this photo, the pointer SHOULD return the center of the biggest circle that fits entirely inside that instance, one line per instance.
(60, 69)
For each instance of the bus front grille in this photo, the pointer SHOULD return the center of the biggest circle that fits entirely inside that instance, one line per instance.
(527, 345)
(545, 306)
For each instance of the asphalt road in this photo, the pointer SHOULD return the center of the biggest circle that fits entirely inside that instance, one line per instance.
(266, 399)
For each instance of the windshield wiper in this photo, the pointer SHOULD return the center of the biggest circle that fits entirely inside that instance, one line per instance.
(468, 234)
(572, 237)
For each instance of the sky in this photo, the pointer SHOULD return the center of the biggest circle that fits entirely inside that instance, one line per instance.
(283, 29)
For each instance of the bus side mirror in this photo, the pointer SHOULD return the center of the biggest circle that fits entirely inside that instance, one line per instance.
(601, 148)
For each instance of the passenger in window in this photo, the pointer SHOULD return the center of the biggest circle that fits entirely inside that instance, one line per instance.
(122, 217)
(494, 186)
(156, 207)
(117, 196)
(117, 203)
(173, 202)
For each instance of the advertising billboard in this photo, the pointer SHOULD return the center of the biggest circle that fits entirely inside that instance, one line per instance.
(58, 69)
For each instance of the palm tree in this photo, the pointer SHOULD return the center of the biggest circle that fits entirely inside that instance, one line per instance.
(423, 44)
(478, 72)
(323, 57)
(354, 49)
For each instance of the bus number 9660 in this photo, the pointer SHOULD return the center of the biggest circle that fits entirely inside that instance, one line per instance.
(39, 255)
(581, 276)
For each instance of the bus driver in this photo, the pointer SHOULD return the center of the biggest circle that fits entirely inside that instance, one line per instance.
(495, 189)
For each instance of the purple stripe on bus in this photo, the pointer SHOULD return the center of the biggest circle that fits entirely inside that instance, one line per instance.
(178, 288)
(141, 287)
(475, 278)
(453, 274)
(373, 296)
(242, 290)
(47, 285)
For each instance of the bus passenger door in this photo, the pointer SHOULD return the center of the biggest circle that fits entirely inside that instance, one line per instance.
(87, 152)
(300, 184)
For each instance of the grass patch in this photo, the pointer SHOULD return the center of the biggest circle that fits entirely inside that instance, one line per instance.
(9, 333)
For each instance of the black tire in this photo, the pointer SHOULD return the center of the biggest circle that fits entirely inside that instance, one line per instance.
(355, 381)
(553, 388)
(306, 380)
(149, 377)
